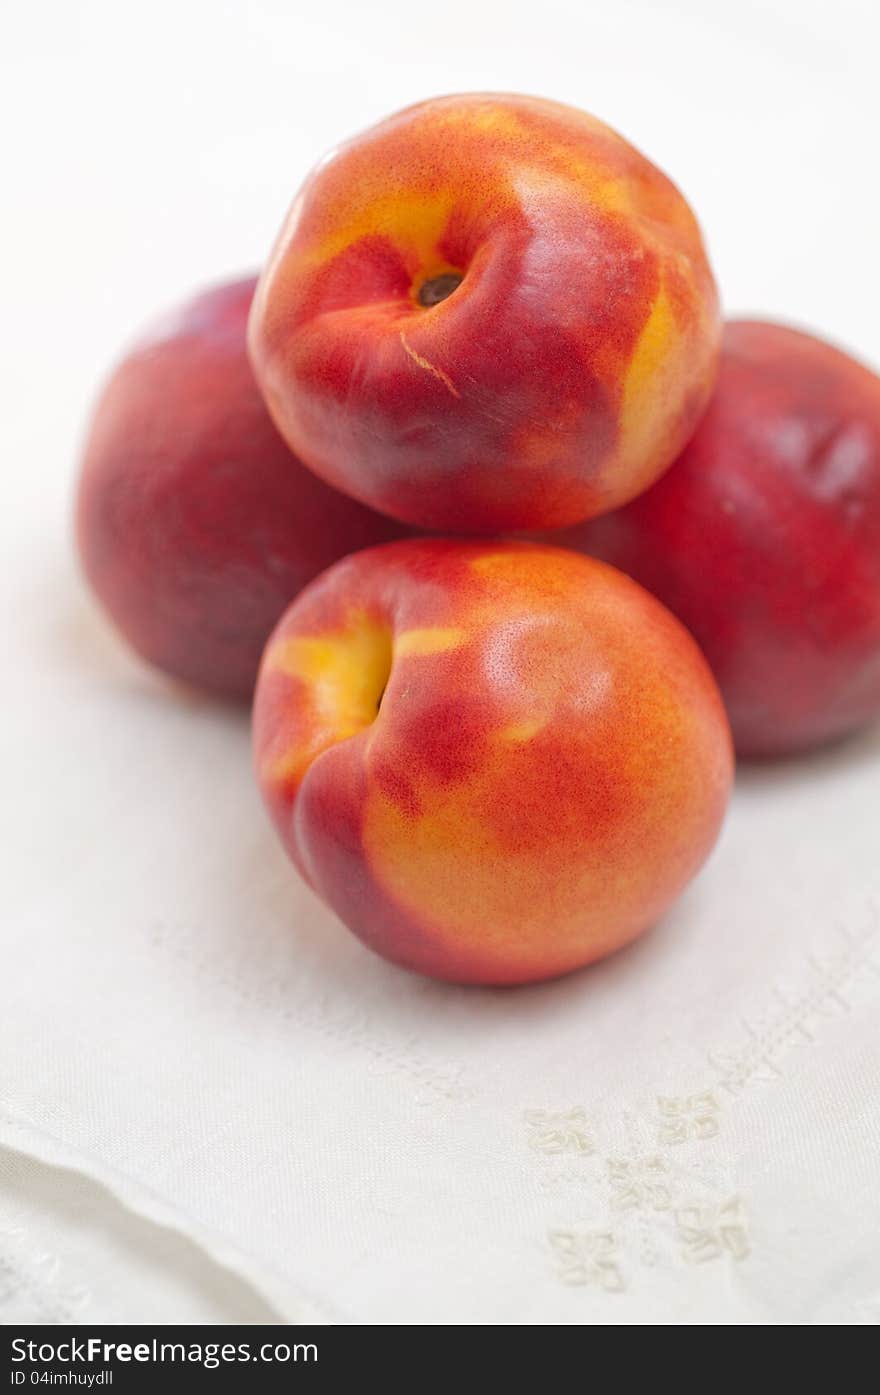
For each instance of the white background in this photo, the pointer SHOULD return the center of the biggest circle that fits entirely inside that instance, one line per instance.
(163, 969)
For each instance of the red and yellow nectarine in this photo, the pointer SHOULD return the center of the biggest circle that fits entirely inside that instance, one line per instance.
(496, 762)
(197, 526)
(764, 538)
(487, 313)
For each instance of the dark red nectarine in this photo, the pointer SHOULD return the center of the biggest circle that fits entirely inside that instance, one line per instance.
(764, 538)
(196, 524)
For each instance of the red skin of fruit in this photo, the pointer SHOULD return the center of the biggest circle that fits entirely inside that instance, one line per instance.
(560, 378)
(495, 761)
(764, 538)
(196, 525)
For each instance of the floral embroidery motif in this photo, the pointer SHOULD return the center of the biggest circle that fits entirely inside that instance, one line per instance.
(587, 1259)
(567, 1132)
(639, 1184)
(795, 1014)
(687, 1117)
(709, 1232)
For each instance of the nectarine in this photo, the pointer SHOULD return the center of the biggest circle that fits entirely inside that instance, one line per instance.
(487, 313)
(496, 762)
(764, 538)
(196, 524)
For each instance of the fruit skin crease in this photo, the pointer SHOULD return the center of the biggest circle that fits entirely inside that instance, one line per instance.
(563, 375)
(496, 762)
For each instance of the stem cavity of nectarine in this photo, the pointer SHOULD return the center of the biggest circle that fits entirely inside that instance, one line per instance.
(438, 288)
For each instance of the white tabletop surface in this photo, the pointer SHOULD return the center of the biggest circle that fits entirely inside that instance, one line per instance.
(214, 1104)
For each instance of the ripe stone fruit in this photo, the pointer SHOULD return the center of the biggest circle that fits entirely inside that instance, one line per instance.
(196, 524)
(494, 761)
(487, 313)
(764, 538)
